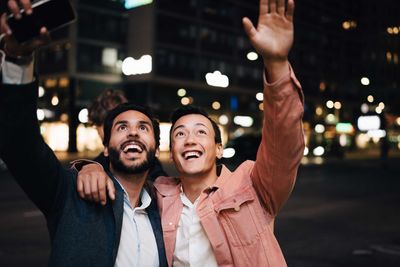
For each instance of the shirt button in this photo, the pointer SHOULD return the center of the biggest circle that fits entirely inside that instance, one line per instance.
(170, 223)
(237, 208)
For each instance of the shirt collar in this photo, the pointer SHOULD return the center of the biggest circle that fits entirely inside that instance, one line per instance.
(144, 197)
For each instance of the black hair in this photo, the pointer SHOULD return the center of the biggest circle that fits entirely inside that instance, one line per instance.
(105, 102)
(188, 110)
(112, 114)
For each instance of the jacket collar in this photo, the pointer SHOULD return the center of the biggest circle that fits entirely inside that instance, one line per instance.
(169, 186)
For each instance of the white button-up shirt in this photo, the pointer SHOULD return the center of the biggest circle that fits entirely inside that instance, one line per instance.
(15, 74)
(137, 245)
(192, 247)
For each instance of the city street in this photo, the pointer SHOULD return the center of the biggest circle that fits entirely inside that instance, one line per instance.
(341, 213)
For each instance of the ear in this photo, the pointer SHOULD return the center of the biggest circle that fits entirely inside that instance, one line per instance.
(157, 152)
(105, 152)
(219, 150)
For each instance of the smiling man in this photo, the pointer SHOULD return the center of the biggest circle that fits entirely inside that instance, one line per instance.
(210, 215)
(126, 232)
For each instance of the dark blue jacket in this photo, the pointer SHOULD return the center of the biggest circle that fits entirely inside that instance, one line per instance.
(81, 233)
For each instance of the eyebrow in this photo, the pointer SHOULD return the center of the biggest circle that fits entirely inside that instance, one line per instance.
(183, 126)
(120, 122)
(126, 122)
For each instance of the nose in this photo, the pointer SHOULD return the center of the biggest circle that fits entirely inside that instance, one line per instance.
(190, 139)
(133, 132)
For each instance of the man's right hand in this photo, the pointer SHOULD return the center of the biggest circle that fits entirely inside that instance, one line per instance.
(11, 47)
(93, 184)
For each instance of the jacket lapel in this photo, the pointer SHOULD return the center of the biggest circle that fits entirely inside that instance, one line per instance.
(118, 211)
(154, 217)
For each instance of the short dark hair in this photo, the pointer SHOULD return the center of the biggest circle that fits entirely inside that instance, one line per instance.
(112, 114)
(106, 101)
(188, 110)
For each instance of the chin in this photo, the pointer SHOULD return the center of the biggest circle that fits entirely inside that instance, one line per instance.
(191, 172)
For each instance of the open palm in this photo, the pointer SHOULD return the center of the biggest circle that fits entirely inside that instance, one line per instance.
(273, 37)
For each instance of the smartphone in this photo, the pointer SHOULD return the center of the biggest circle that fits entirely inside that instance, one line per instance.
(51, 14)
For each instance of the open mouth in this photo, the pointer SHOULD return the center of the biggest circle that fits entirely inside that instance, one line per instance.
(192, 154)
(132, 147)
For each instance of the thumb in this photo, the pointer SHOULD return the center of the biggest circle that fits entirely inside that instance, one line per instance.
(111, 189)
(249, 28)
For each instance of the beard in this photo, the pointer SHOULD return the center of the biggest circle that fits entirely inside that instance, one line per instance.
(118, 165)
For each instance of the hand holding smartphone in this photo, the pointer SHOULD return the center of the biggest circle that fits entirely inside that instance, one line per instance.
(51, 14)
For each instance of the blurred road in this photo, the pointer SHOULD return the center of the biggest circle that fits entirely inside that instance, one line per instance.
(341, 213)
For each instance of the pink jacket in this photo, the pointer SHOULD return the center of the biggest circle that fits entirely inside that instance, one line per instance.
(238, 212)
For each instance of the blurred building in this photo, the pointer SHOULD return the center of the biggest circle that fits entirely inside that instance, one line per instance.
(83, 60)
(163, 54)
(166, 53)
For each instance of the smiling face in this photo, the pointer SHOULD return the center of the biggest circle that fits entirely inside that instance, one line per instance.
(132, 147)
(193, 147)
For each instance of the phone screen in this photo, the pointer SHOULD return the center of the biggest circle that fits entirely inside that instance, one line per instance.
(51, 14)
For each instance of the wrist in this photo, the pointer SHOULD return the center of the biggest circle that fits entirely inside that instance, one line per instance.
(19, 60)
(275, 69)
(12, 51)
(17, 57)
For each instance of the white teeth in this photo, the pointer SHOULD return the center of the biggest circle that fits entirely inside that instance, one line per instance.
(191, 154)
(134, 147)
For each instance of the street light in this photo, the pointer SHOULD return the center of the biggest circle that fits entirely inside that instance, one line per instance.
(260, 96)
(252, 56)
(223, 120)
(329, 104)
(181, 92)
(365, 81)
(216, 105)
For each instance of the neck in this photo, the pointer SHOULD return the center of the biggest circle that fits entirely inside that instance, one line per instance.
(193, 185)
(132, 183)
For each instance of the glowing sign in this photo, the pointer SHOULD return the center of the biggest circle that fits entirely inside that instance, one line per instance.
(136, 3)
(217, 79)
(131, 66)
(366, 123)
(344, 127)
(244, 121)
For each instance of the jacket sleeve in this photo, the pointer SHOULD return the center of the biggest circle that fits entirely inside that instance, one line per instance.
(31, 162)
(282, 142)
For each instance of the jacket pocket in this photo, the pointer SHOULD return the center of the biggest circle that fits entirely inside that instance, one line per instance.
(238, 218)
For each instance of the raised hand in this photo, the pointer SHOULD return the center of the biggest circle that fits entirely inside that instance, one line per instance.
(12, 48)
(273, 37)
(15, 10)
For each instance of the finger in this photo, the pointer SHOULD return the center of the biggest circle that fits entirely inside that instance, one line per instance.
(264, 6)
(94, 190)
(111, 189)
(43, 39)
(26, 5)
(79, 188)
(45, 35)
(290, 10)
(13, 7)
(272, 6)
(280, 8)
(4, 26)
(101, 184)
(86, 189)
(249, 28)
